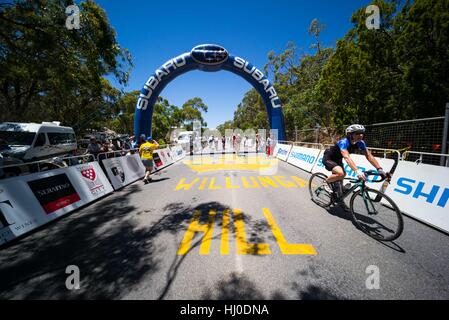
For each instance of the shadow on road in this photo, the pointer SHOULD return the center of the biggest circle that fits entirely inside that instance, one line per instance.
(112, 255)
(158, 180)
(240, 287)
(342, 214)
(256, 231)
(236, 287)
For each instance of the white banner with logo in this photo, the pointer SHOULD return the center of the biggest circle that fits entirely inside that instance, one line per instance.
(422, 191)
(30, 201)
(177, 153)
(281, 151)
(166, 155)
(362, 164)
(124, 170)
(162, 158)
(303, 158)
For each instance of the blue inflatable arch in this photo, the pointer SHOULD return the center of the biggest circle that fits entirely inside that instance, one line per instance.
(208, 58)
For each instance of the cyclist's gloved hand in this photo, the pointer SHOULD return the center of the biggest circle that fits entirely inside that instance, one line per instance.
(360, 175)
(382, 173)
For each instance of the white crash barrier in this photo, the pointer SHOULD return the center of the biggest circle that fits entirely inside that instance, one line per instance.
(422, 191)
(162, 158)
(124, 170)
(166, 155)
(303, 158)
(362, 164)
(177, 153)
(281, 151)
(30, 201)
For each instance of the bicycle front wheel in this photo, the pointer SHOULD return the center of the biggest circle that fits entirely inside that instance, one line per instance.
(318, 194)
(376, 214)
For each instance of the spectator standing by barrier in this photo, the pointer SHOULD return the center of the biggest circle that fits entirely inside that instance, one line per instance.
(257, 142)
(115, 145)
(105, 147)
(269, 145)
(223, 142)
(211, 142)
(93, 147)
(127, 144)
(141, 140)
(238, 141)
(191, 142)
(146, 154)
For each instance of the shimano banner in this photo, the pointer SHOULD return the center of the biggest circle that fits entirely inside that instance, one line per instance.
(281, 151)
(422, 191)
(303, 158)
(206, 57)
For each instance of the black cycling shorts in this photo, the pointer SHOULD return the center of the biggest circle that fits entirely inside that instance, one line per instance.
(330, 163)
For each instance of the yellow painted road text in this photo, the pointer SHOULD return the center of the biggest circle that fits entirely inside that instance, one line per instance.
(243, 246)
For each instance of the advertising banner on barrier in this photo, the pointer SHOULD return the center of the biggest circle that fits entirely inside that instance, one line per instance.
(163, 158)
(281, 151)
(361, 162)
(165, 154)
(177, 153)
(303, 158)
(30, 201)
(158, 161)
(54, 192)
(422, 191)
(124, 170)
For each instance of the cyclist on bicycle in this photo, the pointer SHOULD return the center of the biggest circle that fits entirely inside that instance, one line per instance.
(333, 161)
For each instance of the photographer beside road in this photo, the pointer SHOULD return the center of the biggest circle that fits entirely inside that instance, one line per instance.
(146, 154)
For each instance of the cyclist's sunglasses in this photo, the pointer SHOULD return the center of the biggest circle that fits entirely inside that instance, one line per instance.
(359, 132)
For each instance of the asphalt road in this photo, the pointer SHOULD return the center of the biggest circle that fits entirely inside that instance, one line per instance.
(222, 228)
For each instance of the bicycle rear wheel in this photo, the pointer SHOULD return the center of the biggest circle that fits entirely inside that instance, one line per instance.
(318, 194)
(376, 215)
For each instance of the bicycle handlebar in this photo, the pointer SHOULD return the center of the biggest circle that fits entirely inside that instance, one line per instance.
(370, 173)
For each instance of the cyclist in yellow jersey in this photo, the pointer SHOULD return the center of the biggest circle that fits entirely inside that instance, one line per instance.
(146, 154)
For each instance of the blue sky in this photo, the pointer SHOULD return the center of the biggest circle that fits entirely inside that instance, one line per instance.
(155, 31)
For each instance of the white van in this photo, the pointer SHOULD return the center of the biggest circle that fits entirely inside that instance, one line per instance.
(184, 137)
(33, 141)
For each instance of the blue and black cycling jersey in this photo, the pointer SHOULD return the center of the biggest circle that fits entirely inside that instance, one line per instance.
(334, 152)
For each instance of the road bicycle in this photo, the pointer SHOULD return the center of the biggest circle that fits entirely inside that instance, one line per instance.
(372, 211)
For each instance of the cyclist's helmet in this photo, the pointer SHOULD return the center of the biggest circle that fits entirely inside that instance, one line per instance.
(149, 138)
(355, 128)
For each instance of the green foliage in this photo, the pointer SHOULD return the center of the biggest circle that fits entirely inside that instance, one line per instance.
(223, 127)
(251, 112)
(397, 72)
(123, 109)
(52, 73)
(191, 111)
